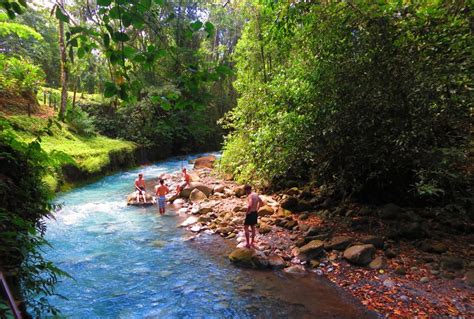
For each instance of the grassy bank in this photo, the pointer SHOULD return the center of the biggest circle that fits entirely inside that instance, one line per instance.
(91, 156)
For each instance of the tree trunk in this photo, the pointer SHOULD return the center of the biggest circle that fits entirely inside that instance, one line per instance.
(64, 69)
(74, 95)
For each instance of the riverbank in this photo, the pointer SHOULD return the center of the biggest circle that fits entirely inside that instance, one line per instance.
(412, 268)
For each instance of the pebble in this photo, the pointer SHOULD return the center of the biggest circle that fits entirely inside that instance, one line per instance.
(424, 280)
(388, 283)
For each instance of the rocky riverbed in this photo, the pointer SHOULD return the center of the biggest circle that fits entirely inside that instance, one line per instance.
(399, 262)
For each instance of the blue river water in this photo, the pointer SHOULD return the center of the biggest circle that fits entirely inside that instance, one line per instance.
(130, 262)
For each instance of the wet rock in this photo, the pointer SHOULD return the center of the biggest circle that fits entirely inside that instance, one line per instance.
(311, 250)
(276, 262)
(360, 222)
(328, 203)
(295, 269)
(204, 162)
(424, 280)
(204, 219)
(377, 241)
(289, 203)
(360, 254)
(377, 263)
(264, 229)
(388, 283)
(452, 263)
(248, 258)
(265, 211)
(390, 211)
(205, 210)
(314, 263)
(196, 228)
(338, 243)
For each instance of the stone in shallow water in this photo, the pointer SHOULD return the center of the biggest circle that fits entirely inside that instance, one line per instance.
(158, 243)
(165, 273)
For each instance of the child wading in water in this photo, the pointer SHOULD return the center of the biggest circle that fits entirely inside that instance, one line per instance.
(161, 191)
(254, 203)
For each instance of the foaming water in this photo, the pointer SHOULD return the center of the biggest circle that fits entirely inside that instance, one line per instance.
(129, 262)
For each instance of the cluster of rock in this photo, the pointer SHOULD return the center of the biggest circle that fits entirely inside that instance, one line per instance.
(288, 241)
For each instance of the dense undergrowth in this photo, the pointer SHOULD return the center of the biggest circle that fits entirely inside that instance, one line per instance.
(371, 100)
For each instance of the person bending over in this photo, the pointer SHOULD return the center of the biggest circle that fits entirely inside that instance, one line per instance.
(161, 191)
(140, 187)
(254, 202)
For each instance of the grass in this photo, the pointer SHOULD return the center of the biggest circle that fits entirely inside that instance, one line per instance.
(90, 154)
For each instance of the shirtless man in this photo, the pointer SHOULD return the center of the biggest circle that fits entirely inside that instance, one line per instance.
(161, 191)
(140, 187)
(187, 180)
(254, 202)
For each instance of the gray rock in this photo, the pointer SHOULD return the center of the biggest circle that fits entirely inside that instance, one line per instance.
(303, 205)
(193, 185)
(289, 203)
(303, 216)
(424, 280)
(452, 263)
(338, 243)
(377, 241)
(197, 196)
(360, 254)
(219, 189)
(390, 211)
(264, 228)
(310, 250)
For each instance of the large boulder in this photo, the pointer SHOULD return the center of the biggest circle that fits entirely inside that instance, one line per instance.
(338, 243)
(289, 203)
(265, 211)
(219, 188)
(132, 200)
(193, 185)
(197, 196)
(204, 162)
(360, 254)
(311, 250)
(248, 258)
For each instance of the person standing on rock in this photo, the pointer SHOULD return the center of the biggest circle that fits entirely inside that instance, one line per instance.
(254, 202)
(140, 187)
(187, 181)
(161, 191)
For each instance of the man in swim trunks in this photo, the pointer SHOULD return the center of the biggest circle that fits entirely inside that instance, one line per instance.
(254, 202)
(161, 191)
(187, 180)
(140, 187)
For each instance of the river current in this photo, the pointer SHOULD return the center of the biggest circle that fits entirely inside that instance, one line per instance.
(130, 262)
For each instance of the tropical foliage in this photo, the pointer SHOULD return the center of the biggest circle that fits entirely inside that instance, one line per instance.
(372, 99)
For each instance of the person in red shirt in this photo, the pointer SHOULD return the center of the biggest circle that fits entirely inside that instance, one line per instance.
(161, 191)
(187, 181)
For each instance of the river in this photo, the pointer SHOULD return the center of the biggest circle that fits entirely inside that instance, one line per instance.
(129, 262)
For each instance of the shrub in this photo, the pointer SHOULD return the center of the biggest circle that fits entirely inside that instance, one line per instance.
(80, 122)
(18, 76)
